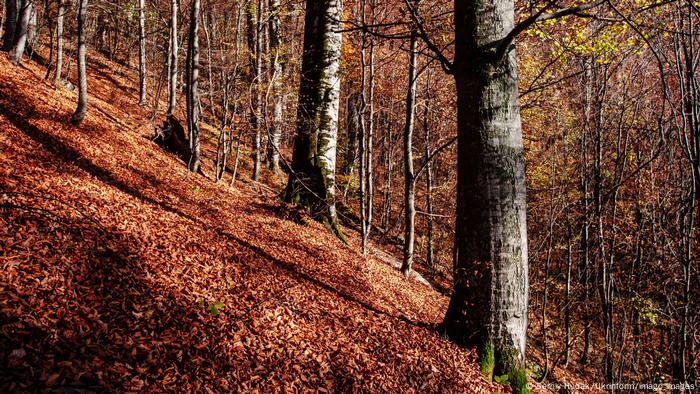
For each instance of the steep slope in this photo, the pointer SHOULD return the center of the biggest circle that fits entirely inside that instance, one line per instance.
(120, 270)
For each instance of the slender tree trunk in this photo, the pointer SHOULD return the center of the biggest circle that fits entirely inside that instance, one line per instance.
(389, 150)
(20, 38)
(210, 86)
(49, 23)
(363, 139)
(80, 111)
(584, 259)
(409, 179)
(430, 254)
(567, 298)
(172, 56)
(142, 53)
(276, 53)
(352, 129)
(369, 132)
(10, 24)
(312, 180)
(31, 30)
(193, 88)
(59, 41)
(489, 305)
(253, 21)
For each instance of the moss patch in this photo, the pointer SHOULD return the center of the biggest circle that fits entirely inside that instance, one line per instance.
(487, 360)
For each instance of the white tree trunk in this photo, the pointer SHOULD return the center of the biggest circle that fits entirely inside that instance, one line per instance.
(172, 80)
(312, 181)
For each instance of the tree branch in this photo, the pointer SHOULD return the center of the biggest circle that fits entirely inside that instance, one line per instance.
(540, 16)
(432, 156)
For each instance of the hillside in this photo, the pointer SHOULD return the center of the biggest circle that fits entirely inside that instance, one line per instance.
(122, 271)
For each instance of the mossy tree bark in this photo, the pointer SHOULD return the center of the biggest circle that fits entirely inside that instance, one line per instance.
(489, 304)
(312, 180)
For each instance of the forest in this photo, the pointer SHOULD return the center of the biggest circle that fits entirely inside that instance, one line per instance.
(349, 195)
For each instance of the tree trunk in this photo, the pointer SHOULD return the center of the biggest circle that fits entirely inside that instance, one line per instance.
(142, 53)
(59, 41)
(253, 23)
(193, 88)
(352, 129)
(276, 53)
(21, 30)
(489, 304)
(10, 22)
(312, 180)
(369, 133)
(409, 176)
(430, 253)
(172, 56)
(80, 111)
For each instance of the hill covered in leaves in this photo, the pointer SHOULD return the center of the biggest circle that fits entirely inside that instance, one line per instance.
(122, 271)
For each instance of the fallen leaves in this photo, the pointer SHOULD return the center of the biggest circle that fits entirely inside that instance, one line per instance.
(116, 275)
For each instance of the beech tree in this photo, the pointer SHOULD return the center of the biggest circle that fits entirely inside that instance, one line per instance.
(192, 86)
(312, 178)
(21, 30)
(142, 53)
(59, 41)
(276, 54)
(172, 58)
(81, 109)
(253, 15)
(10, 24)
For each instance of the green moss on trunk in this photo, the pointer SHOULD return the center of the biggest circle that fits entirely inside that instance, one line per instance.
(487, 360)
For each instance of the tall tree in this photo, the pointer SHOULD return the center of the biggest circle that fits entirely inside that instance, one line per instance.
(142, 53)
(192, 86)
(172, 58)
(81, 109)
(10, 24)
(276, 53)
(21, 30)
(59, 41)
(312, 179)
(253, 21)
(489, 305)
(409, 174)
(352, 129)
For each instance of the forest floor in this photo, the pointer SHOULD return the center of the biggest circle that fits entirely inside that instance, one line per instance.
(122, 271)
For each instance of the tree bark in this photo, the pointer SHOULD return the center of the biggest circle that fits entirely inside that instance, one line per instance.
(172, 56)
(142, 53)
(253, 24)
(276, 53)
(312, 180)
(489, 304)
(10, 24)
(193, 88)
(81, 109)
(352, 129)
(59, 41)
(409, 175)
(430, 253)
(21, 31)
